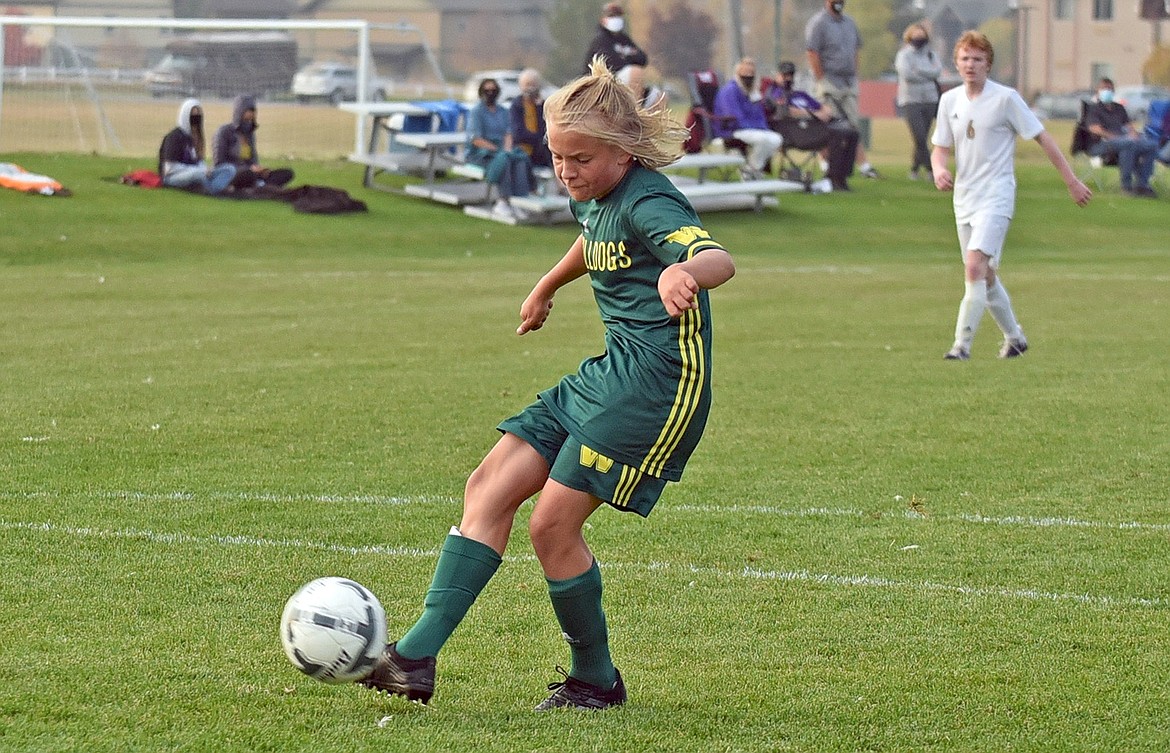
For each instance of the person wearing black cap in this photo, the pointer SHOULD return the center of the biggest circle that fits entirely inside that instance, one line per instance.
(821, 128)
(612, 42)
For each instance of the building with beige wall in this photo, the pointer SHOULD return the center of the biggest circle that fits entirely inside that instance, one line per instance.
(1068, 44)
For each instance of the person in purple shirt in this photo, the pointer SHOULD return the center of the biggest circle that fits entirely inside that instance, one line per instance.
(740, 114)
(798, 117)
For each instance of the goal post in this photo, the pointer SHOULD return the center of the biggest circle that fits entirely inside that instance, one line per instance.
(113, 86)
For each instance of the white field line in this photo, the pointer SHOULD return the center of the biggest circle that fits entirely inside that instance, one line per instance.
(1024, 521)
(747, 573)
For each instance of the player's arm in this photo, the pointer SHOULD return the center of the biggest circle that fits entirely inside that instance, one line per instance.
(940, 159)
(680, 283)
(1079, 192)
(536, 307)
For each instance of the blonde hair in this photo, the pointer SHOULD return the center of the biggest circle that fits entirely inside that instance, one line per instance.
(598, 105)
(976, 41)
(916, 26)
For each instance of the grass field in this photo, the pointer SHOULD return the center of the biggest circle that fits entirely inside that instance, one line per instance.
(208, 403)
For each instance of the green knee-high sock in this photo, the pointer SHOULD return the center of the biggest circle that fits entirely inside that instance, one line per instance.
(577, 603)
(465, 567)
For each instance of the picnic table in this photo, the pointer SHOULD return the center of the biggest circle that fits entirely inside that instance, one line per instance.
(398, 143)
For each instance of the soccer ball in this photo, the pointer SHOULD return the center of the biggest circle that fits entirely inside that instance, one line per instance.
(333, 629)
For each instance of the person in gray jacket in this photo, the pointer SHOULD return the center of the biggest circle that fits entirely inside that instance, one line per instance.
(918, 71)
(235, 144)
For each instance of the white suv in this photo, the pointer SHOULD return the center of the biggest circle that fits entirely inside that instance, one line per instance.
(335, 82)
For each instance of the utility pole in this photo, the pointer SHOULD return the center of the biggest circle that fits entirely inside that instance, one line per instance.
(777, 31)
(736, 21)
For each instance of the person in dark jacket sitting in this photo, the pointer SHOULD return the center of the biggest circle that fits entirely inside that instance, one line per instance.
(797, 116)
(180, 157)
(527, 119)
(1109, 122)
(235, 144)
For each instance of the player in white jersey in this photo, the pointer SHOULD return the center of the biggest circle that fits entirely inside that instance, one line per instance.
(979, 122)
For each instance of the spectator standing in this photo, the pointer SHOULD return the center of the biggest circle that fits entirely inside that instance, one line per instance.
(979, 122)
(612, 43)
(527, 119)
(833, 43)
(235, 144)
(489, 144)
(740, 114)
(836, 134)
(180, 157)
(1109, 122)
(918, 91)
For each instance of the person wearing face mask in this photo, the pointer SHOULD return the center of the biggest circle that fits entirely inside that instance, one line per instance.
(918, 71)
(806, 124)
(235, 144)
(180, 157)
(612, 42)
(833, 43)
(527, 119)
(489, 144)
(740, 114)
(1109, 122)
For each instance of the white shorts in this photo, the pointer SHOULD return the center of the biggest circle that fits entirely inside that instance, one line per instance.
(986, 235)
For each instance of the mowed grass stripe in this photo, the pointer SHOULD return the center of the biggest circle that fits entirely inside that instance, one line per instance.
(1023, 521)
(677, 569)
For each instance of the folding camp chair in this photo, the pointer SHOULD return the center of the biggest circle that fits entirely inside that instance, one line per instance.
(804, 139)
(704, 85)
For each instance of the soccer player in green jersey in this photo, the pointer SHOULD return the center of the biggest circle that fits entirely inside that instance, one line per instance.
(619, 428)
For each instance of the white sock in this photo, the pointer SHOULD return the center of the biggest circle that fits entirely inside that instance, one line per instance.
(1000, 307)
(970, 312)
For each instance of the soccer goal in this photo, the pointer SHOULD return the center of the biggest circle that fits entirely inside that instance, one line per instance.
(113, 86)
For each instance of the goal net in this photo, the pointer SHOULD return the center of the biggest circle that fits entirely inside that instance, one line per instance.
(113, 86)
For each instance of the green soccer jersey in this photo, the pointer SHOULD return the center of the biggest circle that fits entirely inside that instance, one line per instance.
(644, 401)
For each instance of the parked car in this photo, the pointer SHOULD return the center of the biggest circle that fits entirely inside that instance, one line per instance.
(336, 82)
(1067, 106)
(225, 63)
(1137, 99)
(509, 82)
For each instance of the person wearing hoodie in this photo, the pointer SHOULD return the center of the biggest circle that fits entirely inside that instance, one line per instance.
(180, 157)
(612, 43)
(235, 144)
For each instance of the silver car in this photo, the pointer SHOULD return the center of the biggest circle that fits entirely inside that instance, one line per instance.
(336, 82)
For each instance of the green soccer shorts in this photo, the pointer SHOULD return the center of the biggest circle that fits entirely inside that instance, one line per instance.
(582, 468)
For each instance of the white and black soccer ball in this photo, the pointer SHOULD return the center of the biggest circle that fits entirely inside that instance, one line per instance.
(333, 629)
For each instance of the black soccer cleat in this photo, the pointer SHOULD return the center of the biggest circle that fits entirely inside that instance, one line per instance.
(396, 675)
(1013, 347)
(575, 694)
(957, 353)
